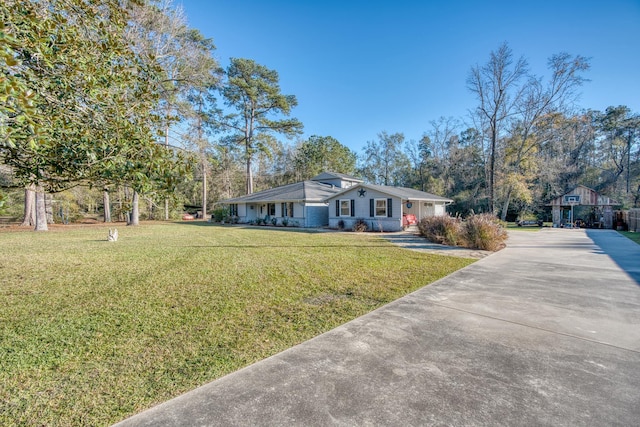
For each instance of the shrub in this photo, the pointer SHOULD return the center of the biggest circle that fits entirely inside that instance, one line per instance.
(484, 231)
(360, 226)
(67, 210)
(285, 221)
(2, 201)
(441, 229)
(220, 214)
(274, 221)
(341, 224)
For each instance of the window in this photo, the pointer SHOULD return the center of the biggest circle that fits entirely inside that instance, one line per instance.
(287, 209)
(345, 208)
(381, 207)
(271, 209)
(233, 209)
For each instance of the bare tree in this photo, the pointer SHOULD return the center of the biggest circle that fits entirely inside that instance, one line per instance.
(159, 32)
(385, 162)
(537, 101)
(497, 88)
(441, 134)
(619, 130)
(419, 154)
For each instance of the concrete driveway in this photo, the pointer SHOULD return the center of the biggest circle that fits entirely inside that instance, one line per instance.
(544, 332)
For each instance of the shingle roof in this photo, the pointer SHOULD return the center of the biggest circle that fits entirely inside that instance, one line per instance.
(333, 175)
(308, 191)
(401, 192)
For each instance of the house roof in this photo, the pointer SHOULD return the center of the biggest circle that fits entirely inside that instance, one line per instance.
(334, 175)
(306, 191)
(588, 197)
(400, 192)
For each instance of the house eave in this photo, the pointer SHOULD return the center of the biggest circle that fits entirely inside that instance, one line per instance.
(387, 190)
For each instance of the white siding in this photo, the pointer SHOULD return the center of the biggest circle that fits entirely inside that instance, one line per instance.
(428, 209)
(362, 210)
(413, 210)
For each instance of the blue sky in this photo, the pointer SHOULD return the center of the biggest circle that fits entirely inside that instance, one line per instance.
(359, 67)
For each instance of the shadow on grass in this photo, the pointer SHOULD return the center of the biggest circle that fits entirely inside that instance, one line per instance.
(397, 240)
(383, 246)
(203, 223)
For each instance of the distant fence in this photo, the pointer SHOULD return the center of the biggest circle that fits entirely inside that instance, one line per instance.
(633, 219)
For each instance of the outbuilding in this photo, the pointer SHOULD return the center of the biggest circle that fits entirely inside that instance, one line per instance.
(583, 207)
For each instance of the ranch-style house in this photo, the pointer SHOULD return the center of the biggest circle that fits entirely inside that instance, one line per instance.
(338, 201)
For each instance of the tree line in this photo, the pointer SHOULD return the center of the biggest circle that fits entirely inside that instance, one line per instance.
(120, 100)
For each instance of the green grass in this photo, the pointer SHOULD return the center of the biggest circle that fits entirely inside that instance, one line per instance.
(93, 332)
(631, 235)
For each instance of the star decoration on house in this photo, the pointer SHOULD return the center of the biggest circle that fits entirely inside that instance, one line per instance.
(362, 192)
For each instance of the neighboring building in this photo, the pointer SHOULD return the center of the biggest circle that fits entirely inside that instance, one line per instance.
(302, 203)
(583, 207)
(383, 208)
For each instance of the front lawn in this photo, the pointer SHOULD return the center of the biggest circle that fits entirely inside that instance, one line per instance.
(631, 235)
(95, 331)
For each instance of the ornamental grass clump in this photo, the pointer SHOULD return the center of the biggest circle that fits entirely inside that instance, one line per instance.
(484, 231)
(444, 230)
(481, 231)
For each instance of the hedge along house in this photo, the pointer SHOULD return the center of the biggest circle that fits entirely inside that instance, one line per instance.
(583, 207)
(302, 203)
(382, 208)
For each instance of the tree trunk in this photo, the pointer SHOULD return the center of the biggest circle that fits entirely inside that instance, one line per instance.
(41, 210)
(492, 169)
(629, 139)
(48, 207)
(123, 196)
(505, 207)
(135, 210)
(29, 207)
(204, 189)
(249, 178)
(107, 205)
(166, 144)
